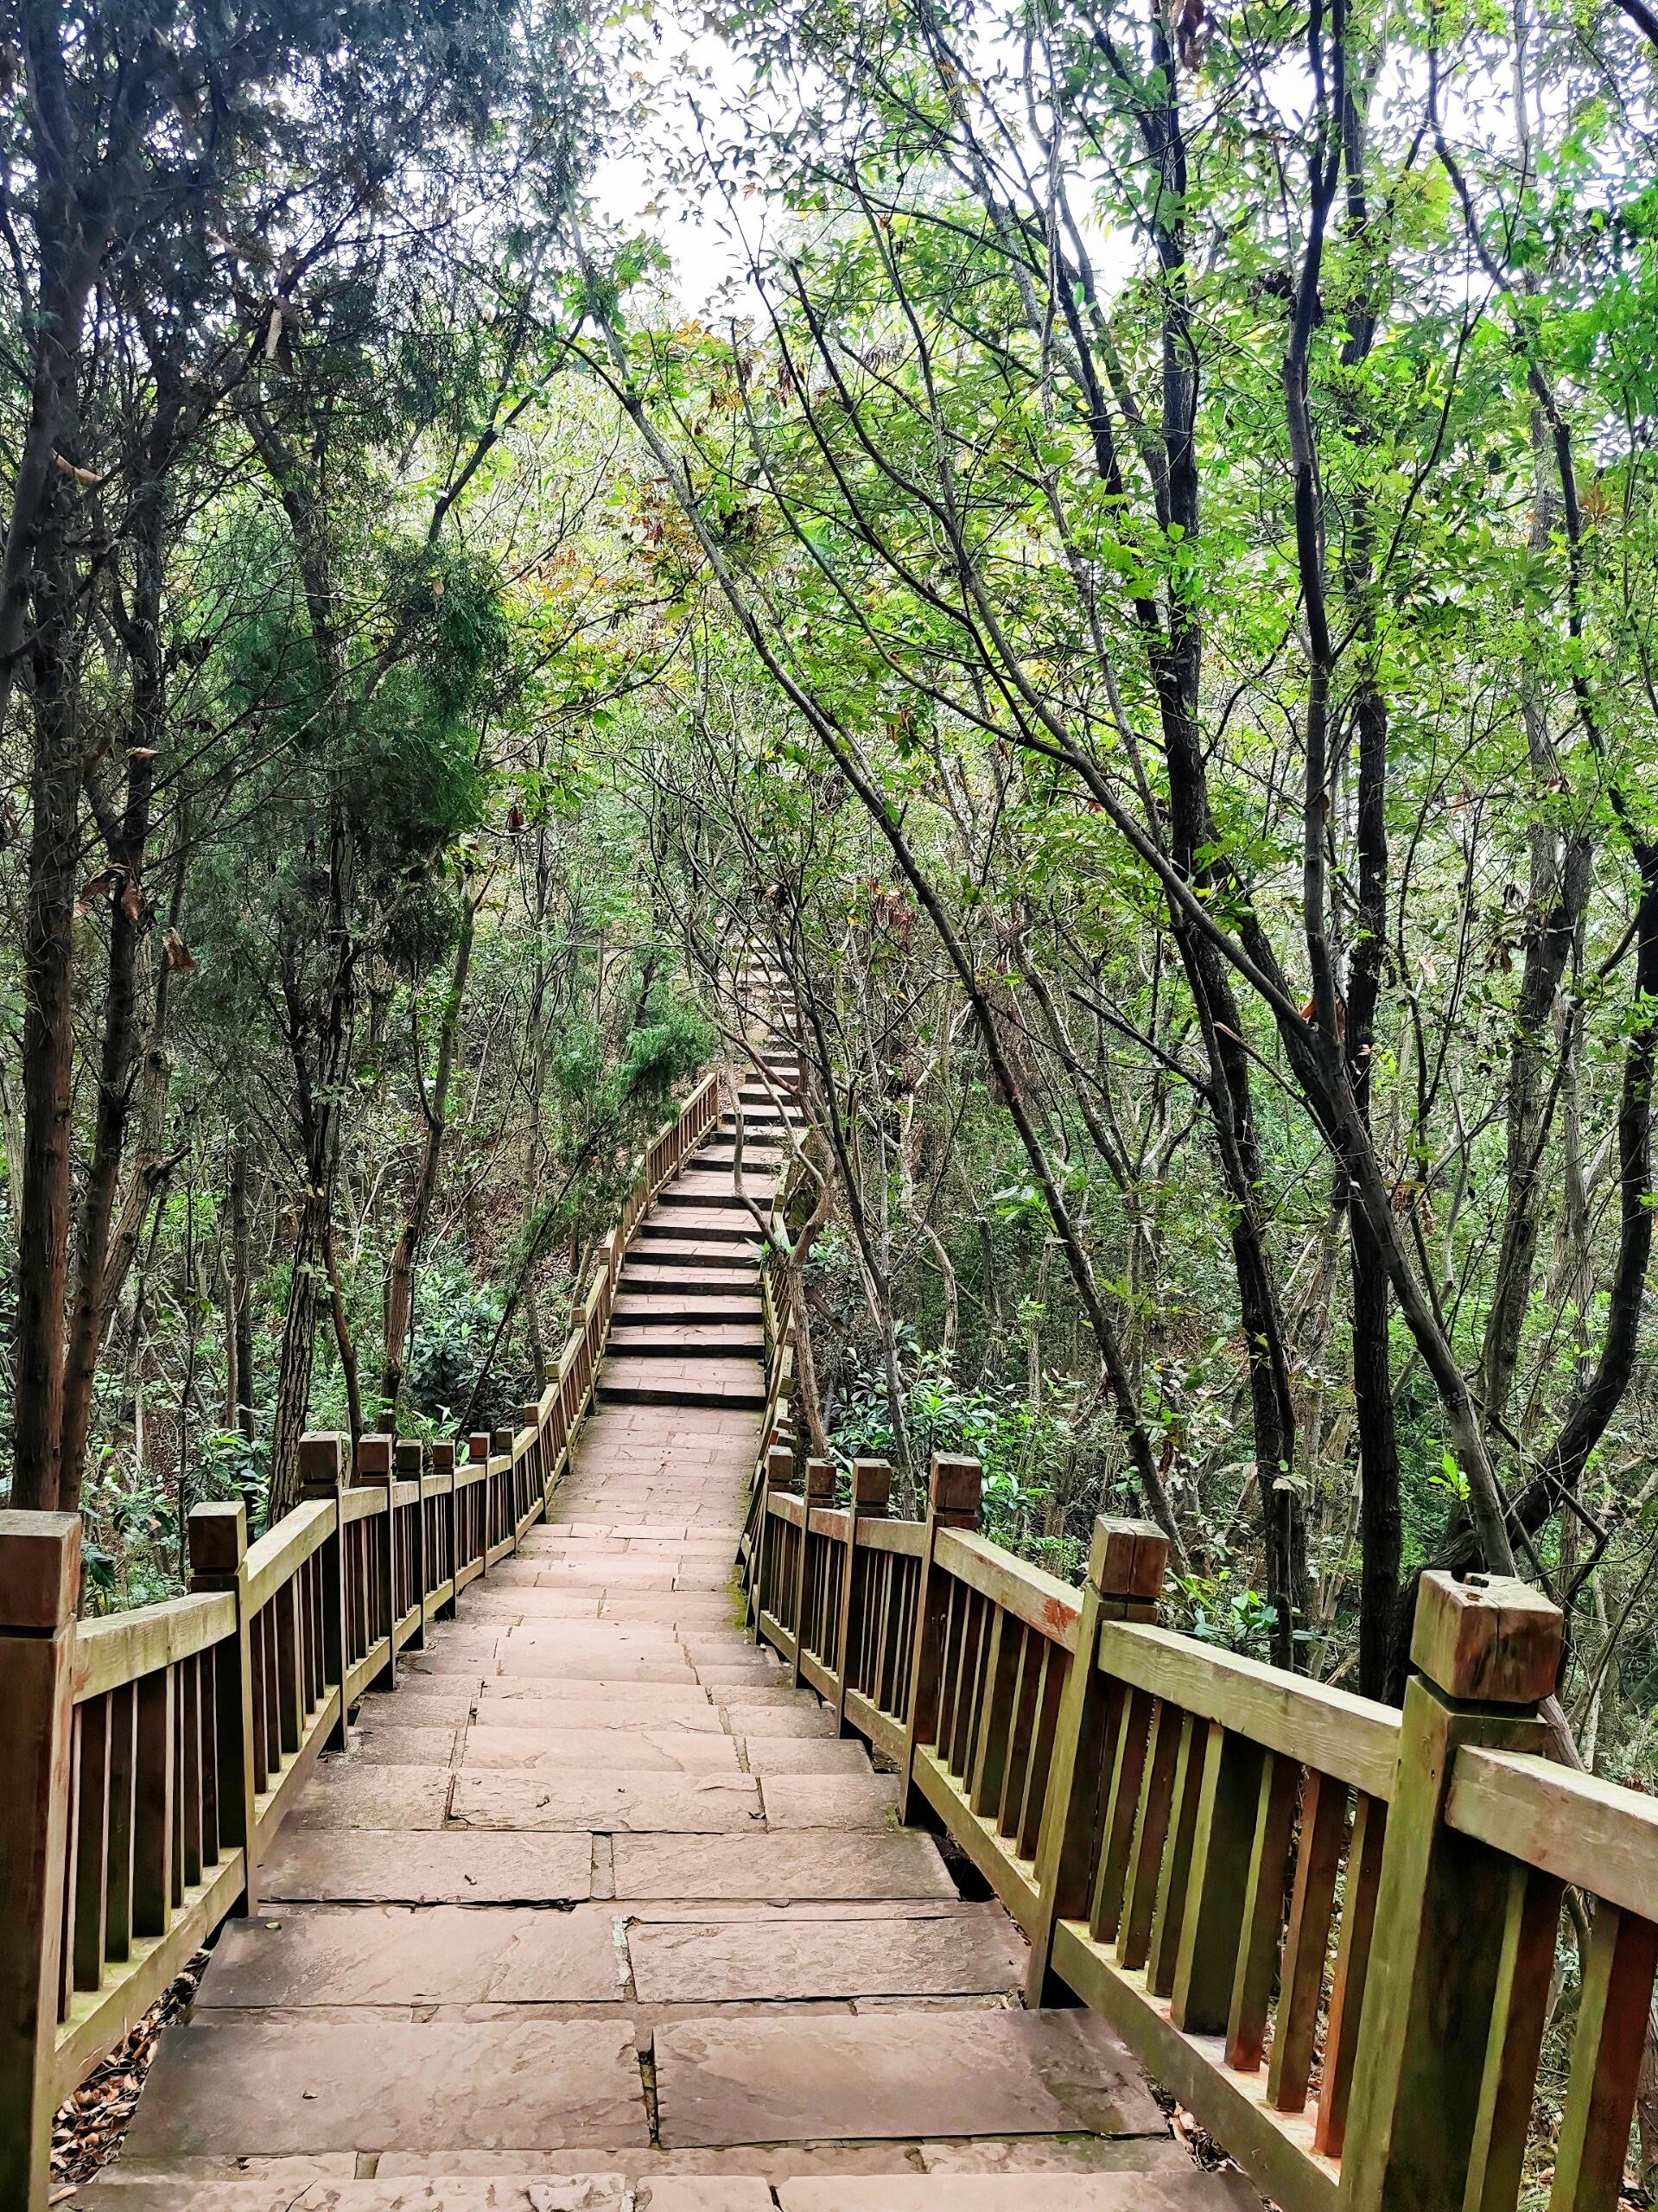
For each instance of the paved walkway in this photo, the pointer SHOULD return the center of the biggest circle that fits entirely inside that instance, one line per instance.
(598, 1913)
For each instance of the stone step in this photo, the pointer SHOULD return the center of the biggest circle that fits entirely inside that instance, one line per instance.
(699, 1222)
(653, 1278)
(635, 1303)
(738, 2078)
(666, 1336)
(320, 2084)
(623, 1380)
(677, 1340)
(1172, 2186)
(671, 1246)
(720, 1190)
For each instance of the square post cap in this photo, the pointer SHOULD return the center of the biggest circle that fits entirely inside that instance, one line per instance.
(321, 1462)
(411, 1457)
(219, 1538)
(40, 1571)
(1491, 1639)
(780, 1467)
(820, 1478)
(871, 1485)
(956, 1492)
(1128, 1558)
(373, 1457)
(477, 1444)
(443, 1458)
(504, 1442)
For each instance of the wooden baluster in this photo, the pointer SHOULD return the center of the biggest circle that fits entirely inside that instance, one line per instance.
(123, 1774)
(1016, 1759)
(955, 1743)
(290, 1710)
(1607, 2052)
(1127, 1746)
(1519, 2015)
(1485, 1652)
(322, 1479)
(40, 1590)
(1169, 1917)
(1213, 1925)
(152, 1836)
(529, 1417)
(954, 1501)
(1151, 1833)
(994, 1731)
(502, 1481)
(1306, 1941)
(91, 1842)
(1352, 1971)
(1265, 1878)
(191, 1721)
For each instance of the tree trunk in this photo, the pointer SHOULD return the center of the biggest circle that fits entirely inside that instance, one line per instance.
(400, 1274)
(241, 1290)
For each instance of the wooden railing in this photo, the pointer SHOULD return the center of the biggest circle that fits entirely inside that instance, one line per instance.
(147, 1760)
(1327, 1926)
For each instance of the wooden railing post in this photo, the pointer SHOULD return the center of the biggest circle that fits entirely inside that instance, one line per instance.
(508, 1482)
(322, 1477)
(872, 1494)
(219, 1552)
(954, 1494)
(1125, 1564)
(374, 1471)
(410, 1462)
(443, 1465)
(819, 1492)
(40, 1590)
(1443, 2025)
(477, 1455)
(780, 1476)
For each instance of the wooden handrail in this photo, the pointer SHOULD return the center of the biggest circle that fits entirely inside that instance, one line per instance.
(1596, 1835)
(1031, 1595)
(1351, 1739)
(117, 1650)
(279, 1552)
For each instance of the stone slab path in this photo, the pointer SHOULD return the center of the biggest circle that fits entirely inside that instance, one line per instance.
(598, 1915)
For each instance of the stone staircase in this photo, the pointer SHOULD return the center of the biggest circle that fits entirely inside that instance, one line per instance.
(599, 1914)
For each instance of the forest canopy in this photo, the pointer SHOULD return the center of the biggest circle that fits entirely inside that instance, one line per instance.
(1117, 542)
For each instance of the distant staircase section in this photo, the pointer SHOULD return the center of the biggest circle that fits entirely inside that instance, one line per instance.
(686, 1327)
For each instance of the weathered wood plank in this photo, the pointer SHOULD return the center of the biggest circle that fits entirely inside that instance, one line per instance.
(1593, 1833)
(1040, 1600)
(1353, 1738)
(123, 1646)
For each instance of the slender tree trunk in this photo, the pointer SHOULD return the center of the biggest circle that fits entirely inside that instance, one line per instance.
(400, 1274)
(297, 1356)
(241, 1290)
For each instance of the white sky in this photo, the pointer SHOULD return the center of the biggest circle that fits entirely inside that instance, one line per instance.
(634, 189)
